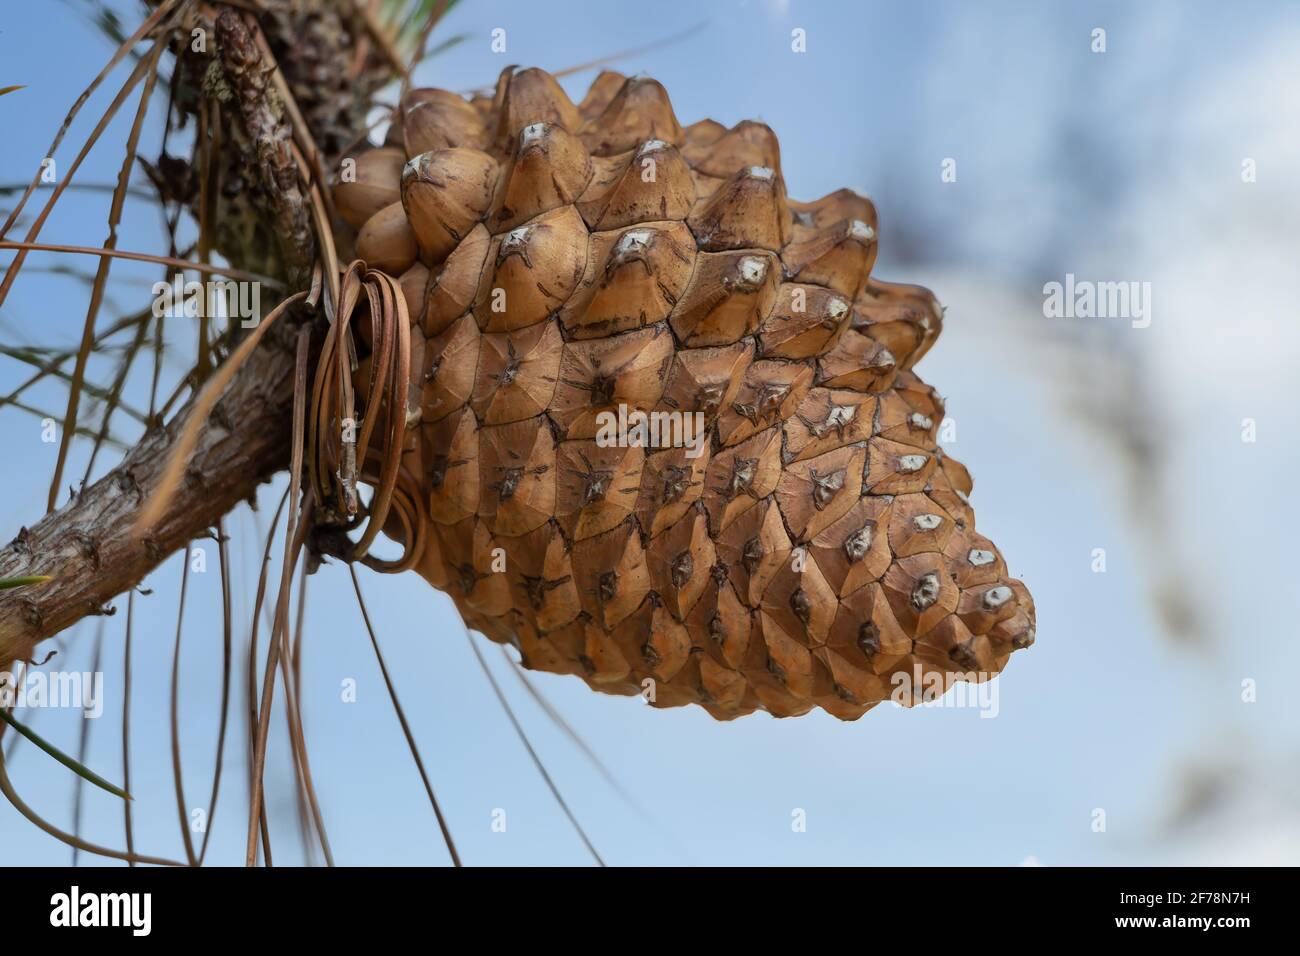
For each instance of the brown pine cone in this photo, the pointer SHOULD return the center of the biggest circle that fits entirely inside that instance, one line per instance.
(564, 265)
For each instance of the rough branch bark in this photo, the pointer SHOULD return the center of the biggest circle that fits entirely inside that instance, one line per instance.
(88, 546)
(265, 136)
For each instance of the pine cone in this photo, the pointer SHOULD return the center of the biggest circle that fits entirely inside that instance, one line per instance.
(565, 265)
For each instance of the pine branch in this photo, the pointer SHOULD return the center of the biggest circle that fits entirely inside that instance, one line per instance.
(87, 547)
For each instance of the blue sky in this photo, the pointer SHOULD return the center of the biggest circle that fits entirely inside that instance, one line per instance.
(1118, 166)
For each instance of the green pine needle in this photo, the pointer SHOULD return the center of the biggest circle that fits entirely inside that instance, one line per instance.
(81, 771)
(7, 583)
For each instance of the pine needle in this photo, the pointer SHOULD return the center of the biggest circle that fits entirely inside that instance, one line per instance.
(125, 48)
(532, 753)
(178, 780)
(83, 748)
(81, 771)
(401, 718)
(204, 267)
(71, 839)
(635, 51)
(203, 405)
(22, 582)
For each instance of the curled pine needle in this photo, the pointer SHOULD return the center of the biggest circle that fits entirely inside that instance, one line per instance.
(7, 583)
(81, 771)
